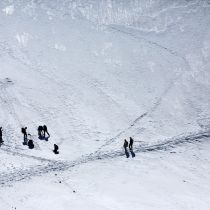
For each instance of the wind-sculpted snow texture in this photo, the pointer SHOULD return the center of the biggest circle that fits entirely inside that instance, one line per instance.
(97, 72)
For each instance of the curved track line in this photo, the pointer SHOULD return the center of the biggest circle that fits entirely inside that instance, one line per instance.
(150, 111)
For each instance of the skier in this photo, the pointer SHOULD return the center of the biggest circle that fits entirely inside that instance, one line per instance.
(125, 145)
(56, 149)
(40, 131)
(25, 136)
(1, 140)
(45, 131)
(131, 143)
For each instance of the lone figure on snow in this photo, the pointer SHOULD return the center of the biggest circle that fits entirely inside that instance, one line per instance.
(56, 149)
(30, 144)
(25, 136)
(1, 140)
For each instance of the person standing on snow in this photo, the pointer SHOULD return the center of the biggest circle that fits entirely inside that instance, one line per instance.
(40, 131)
(131, 143)
(1, 140)
(125, 145)
(25, 136)
(45, 130)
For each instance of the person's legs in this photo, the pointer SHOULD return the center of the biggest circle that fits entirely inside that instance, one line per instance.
(126, 152)
(25, 137)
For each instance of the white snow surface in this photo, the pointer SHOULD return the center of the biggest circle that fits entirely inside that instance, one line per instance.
(97, 72)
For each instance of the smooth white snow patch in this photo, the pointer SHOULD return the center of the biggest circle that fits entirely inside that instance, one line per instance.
(60, 47)
(9, 10)
(23, 39)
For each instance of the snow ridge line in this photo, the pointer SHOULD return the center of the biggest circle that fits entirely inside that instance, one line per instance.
(6, 179)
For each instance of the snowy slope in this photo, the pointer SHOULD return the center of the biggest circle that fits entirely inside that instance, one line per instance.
(97, 72)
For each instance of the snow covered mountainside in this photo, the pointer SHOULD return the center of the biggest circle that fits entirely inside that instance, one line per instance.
(97, 72)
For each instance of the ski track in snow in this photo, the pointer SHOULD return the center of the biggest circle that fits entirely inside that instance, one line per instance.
(165, 92)
(47, 166)
(150, 42)
(149, 112)
(26, 61)
(170, 51)
(6, 101)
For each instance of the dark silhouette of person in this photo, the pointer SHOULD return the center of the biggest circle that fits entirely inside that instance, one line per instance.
(125, 145)
(56, 149)
(131, 147)
(131, 143)
(45, 130)
(25, 136)
(40, 131)
(30, 144)
(1, 140)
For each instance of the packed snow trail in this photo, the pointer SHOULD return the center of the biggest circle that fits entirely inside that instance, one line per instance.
(6, 148)
(47, 166)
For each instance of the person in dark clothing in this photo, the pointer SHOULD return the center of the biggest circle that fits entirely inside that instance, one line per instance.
(40, 131)
(45, 130)
(56, 149)
(30, 144)
(1, 140)
(25, 136)
(131, 143)
(125, 145)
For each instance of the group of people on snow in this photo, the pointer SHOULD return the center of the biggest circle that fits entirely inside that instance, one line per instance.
(42, 131)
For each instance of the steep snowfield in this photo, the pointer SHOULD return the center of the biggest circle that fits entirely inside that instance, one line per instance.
(97, 72)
